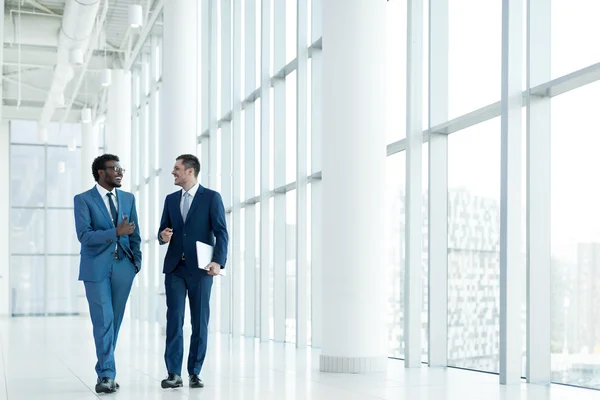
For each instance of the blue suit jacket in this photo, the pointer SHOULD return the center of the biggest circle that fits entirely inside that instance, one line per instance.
(205, 222)
(97, 234)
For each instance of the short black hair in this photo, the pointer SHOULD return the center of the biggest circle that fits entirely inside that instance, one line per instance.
(190, 161)
(100, 163)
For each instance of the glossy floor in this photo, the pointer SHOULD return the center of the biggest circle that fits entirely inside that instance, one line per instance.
(53, 358)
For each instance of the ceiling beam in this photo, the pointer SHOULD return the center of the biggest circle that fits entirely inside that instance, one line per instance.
(32, 113)
(40, 7)
(32, 57)
(34, 88)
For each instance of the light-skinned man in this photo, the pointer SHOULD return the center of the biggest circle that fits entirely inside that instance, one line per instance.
(191, 214)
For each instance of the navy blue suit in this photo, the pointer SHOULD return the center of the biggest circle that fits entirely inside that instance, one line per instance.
(107, 277)
(205, 223)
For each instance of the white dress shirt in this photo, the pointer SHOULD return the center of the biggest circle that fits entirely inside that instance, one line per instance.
(192, 193)
(103, 193)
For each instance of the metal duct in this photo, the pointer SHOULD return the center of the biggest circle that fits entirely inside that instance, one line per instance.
(77, 25)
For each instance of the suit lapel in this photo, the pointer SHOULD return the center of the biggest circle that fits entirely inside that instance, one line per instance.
(100, 203)
(195, 202)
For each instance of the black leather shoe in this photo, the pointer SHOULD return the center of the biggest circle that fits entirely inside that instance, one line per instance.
(116, 384)
(172, 381)
(106, 385)
(196, 382)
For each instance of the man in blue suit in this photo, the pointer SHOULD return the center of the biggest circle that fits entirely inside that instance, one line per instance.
(192, 214)
(106, 223)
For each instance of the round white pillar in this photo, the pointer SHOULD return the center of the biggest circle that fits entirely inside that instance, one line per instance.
(118, 120)
(179, 104)
(89, 151)
(354, 271)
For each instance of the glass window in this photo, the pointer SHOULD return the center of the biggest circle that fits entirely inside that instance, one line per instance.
(475, 60)
(62, 284)
(395, 250)
(291, 29)
(290, 267)
(575, 263)
(63, 176)
(28, 288)
(395, 70)
(27, 175)
(64, 241)
(474, 247)
(28, 231)
(574, 30)
(290, 127)
(24, 132)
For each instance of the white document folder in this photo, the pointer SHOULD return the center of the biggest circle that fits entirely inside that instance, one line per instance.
(204, 252)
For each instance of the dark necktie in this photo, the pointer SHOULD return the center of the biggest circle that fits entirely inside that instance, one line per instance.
(113, 209)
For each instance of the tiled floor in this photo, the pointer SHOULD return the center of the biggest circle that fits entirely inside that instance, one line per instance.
(53, 359)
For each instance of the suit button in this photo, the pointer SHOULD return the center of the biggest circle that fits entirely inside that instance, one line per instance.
(185, 234)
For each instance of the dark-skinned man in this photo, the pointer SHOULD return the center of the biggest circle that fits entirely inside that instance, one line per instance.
(107, 228)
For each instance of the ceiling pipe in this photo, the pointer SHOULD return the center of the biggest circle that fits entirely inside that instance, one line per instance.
(77, 25)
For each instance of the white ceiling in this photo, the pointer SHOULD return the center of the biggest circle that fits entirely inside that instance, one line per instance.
(34, 50)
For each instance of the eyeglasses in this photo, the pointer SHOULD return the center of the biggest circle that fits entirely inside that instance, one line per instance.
(117, 169)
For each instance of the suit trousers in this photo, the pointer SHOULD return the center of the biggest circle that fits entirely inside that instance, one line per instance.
(178, 284)
(107, 300)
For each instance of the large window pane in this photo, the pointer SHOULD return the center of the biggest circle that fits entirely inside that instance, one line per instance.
(63, 184)
(24, 132)
(62, 240)
(396, 70)
(27, 231)
(394, 203)
(290, 127)
(290, 267)
(575, 268)
(474, 54)
(473, 247)
(62, 284)
(575, 31)
(27, 176)
(291, 29)
(27, 277)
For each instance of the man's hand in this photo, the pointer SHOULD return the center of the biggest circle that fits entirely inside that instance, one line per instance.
(166, 234)
(125, 228)
(214, 269)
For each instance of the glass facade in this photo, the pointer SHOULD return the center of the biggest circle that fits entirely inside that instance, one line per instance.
(260, 146)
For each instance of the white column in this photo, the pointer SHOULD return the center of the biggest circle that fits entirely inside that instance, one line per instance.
(354, 326)
(510, 193)
(538, 196)
(5, 290)
(179, 101)
(89, 151)
(178, 98)
(118, 120)
(413, 283)
(438, 185)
